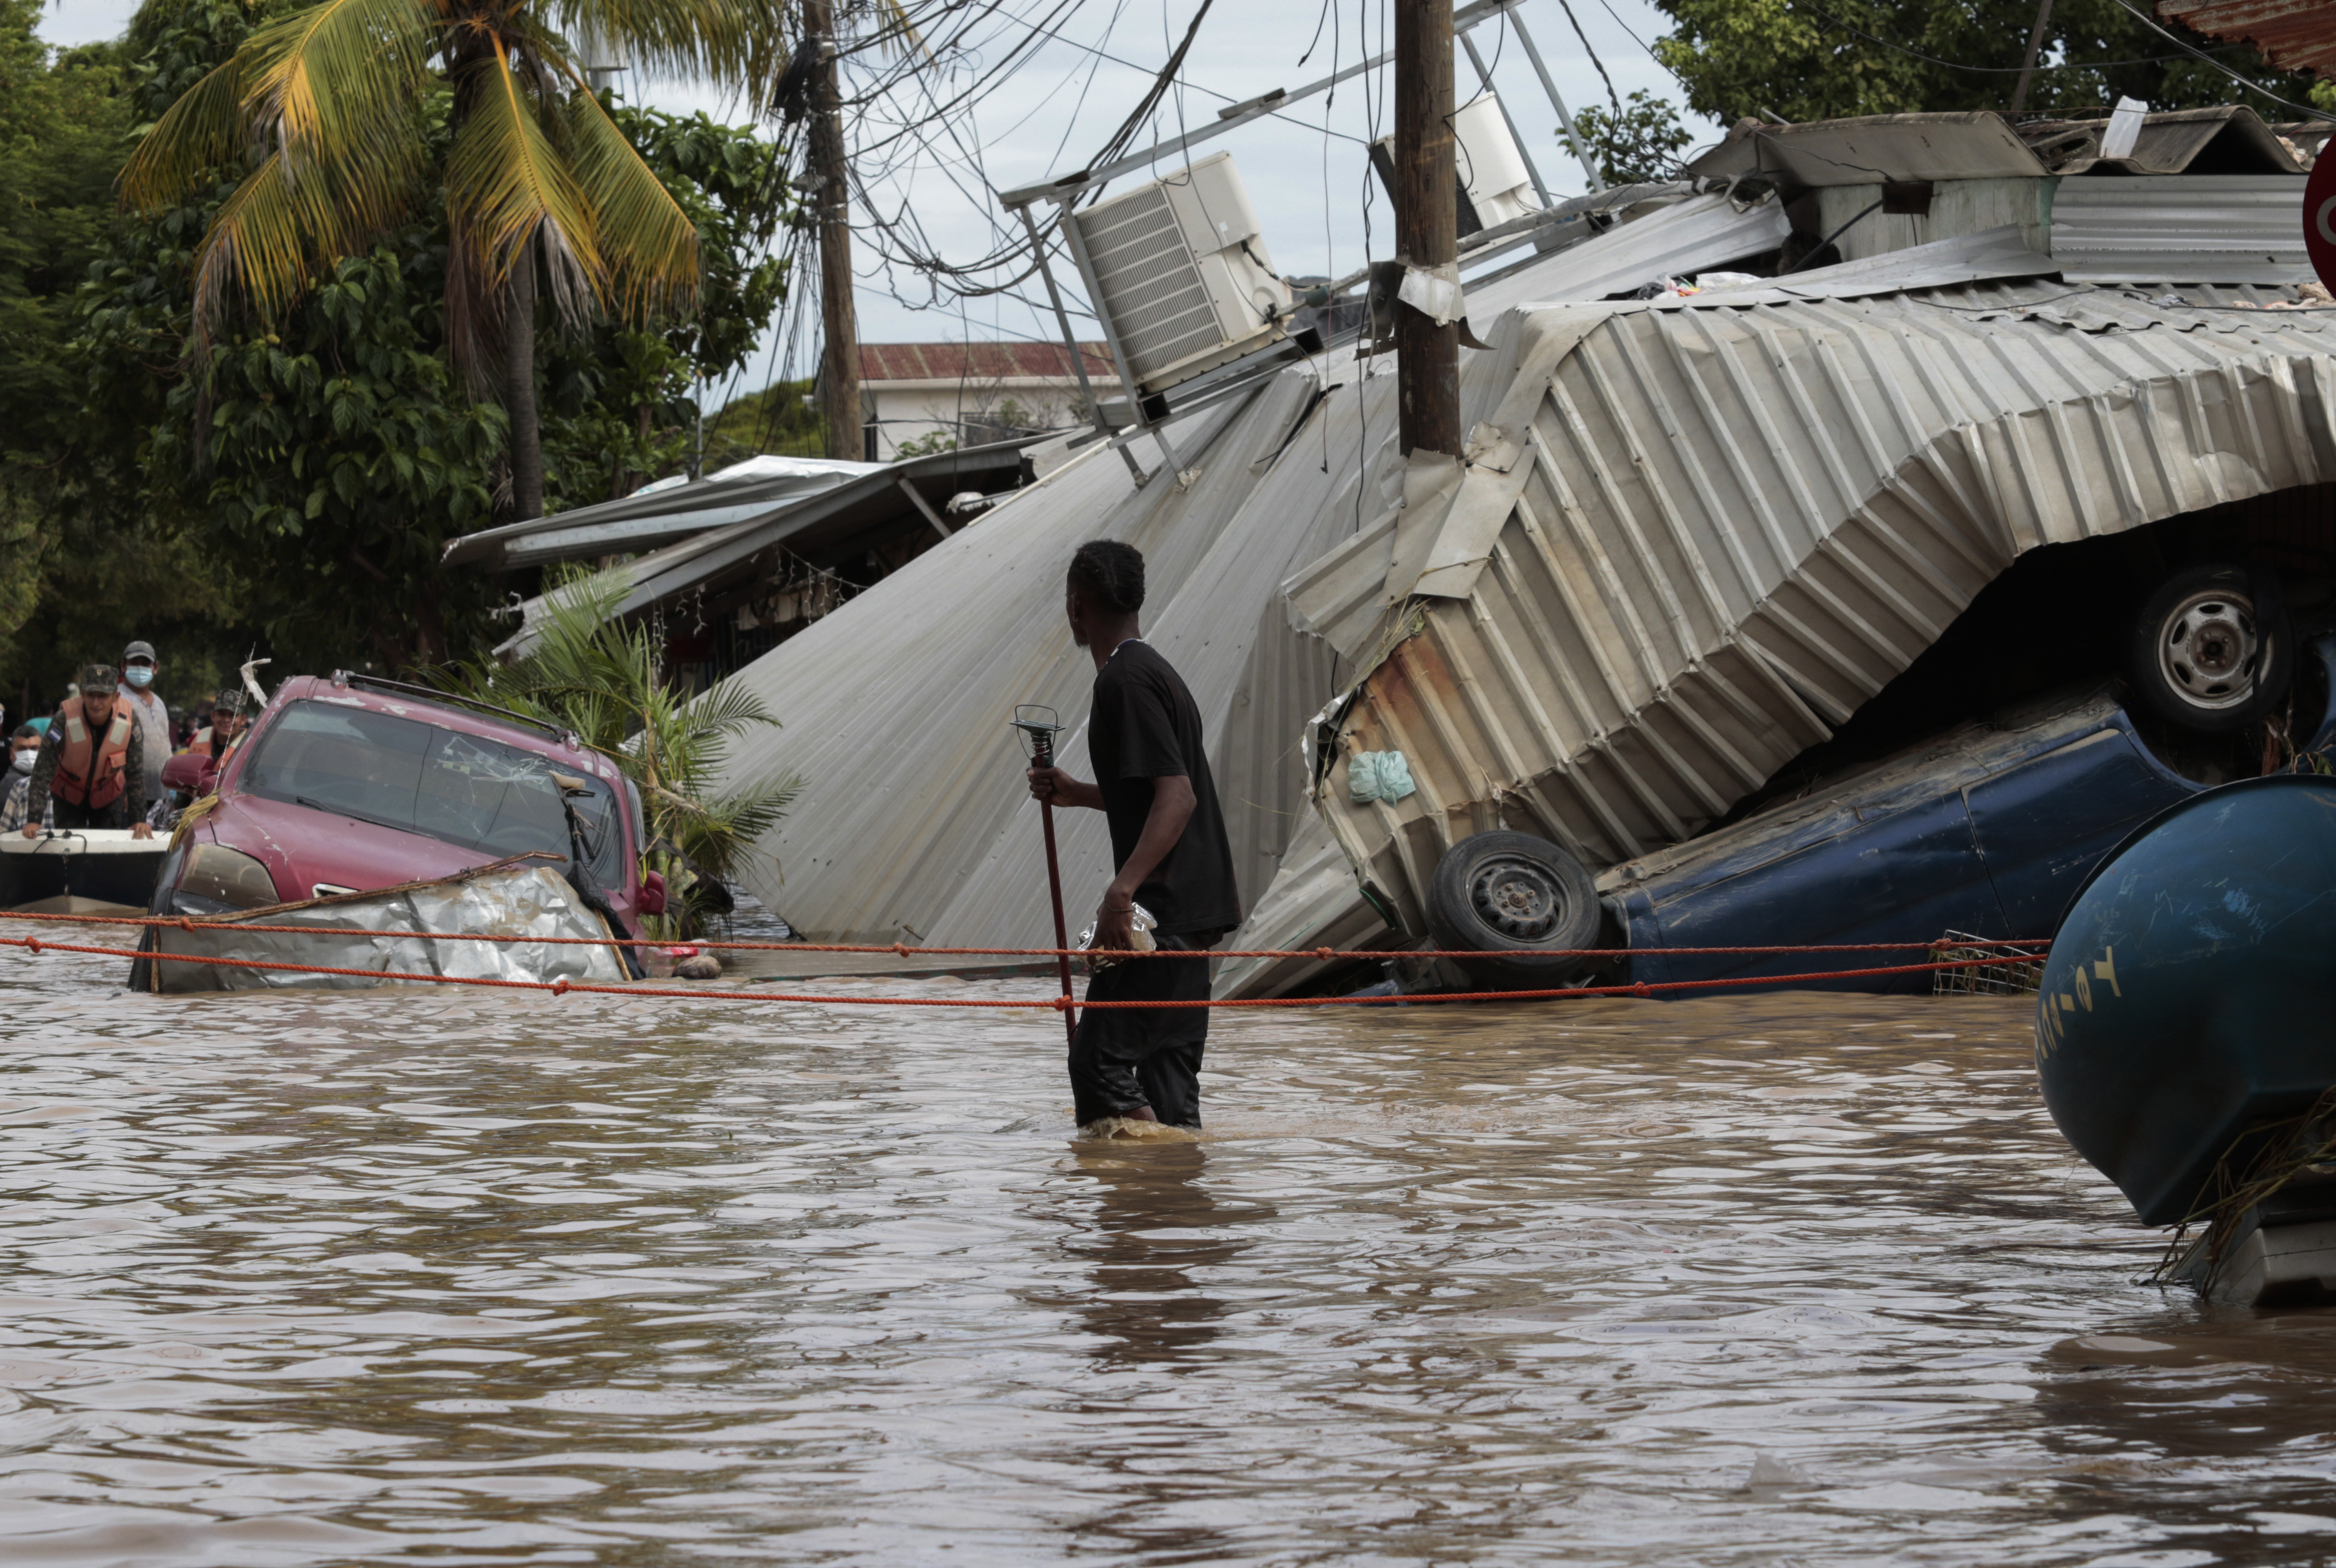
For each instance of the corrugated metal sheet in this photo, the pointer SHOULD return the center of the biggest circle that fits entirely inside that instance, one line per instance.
(2220, 139)
(2182, 227)
(1317, 900)
(1984, 145)
(655, 516)
(1992, 254)
(1736, 523)
(1964, 145)
(1680, 240)
(2293, 34)
(914, 824)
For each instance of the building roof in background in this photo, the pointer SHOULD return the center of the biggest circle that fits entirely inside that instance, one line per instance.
(1981, 145)
(2293, 34)
(882, 362)
(815, 525)
(655, 514)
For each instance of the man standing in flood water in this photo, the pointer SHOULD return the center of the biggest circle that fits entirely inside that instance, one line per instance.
(1168, 841)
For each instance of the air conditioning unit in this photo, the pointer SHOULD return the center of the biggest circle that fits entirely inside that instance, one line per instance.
(1181, 274)
(1495, 182)
(1491, 170)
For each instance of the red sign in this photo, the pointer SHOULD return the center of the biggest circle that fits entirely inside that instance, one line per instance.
(2320, 220)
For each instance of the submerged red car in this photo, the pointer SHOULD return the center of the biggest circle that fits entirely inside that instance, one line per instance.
(352, 784)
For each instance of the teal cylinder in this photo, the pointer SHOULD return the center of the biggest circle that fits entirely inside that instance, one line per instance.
(2190, 990)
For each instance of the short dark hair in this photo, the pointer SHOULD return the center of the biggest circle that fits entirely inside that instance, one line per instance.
(25, 732)
(1109, 575)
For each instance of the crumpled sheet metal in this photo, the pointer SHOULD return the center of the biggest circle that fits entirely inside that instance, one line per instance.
(1742, 520)
(928, 663)
(371, 931)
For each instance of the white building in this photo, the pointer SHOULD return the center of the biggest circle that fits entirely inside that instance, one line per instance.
(929, 397)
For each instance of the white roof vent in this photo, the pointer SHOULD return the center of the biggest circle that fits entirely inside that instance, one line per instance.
(1493, 171)
(1184, 281)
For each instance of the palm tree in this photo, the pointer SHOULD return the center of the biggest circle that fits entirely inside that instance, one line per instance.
(326, 110)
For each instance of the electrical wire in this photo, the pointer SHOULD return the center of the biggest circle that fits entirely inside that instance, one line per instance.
(2151, 23)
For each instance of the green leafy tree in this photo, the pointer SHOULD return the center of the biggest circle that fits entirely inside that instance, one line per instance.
(327, 457)
(1805, 60)
(604, 679)
(83, 567)
(325, 118)
(1642, 142)
(781, 419)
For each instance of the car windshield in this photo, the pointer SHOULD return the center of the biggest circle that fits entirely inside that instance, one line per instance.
(459, 789)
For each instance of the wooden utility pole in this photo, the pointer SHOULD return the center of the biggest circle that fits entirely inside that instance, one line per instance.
(2035, 47)
(840, 355)
(1426, 222)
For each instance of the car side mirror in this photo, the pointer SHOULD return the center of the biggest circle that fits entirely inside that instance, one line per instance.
(192, 771)
(652, 901)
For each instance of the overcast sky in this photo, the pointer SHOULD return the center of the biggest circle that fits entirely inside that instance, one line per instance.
(1308, 181)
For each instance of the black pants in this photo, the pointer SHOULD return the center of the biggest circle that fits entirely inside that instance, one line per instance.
(1122, 1059)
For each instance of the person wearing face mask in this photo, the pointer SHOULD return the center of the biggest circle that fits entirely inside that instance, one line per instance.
(146, 706)
(16, 788)
(92, 768)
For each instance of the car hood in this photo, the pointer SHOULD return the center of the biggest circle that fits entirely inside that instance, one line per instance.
(303, 847)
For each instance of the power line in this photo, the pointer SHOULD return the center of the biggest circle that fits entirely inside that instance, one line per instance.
(2241, 81)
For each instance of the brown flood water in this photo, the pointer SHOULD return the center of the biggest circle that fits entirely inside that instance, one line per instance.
(473, 1278)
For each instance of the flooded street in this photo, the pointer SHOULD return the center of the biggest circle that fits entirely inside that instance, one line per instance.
(481, 1278)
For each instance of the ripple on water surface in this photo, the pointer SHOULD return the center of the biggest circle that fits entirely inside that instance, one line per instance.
(503, 1279)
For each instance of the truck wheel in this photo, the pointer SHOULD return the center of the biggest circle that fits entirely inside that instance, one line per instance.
(1509, 899)
(2211, 648)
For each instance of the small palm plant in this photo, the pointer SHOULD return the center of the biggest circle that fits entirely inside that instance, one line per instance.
(593, 674)
(324, 116)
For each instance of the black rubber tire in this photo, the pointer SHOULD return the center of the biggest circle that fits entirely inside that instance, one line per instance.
(1513, 898)
(2235, 617)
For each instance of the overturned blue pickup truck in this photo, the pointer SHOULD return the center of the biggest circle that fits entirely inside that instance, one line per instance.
(1985, 831)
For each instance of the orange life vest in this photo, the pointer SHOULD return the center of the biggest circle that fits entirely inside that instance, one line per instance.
(99, 784)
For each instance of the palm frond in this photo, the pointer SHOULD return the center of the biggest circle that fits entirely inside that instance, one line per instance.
(203, 130)
(507, 188)
(261, 240)
(733, 44)
(336, 87)
(649, 243)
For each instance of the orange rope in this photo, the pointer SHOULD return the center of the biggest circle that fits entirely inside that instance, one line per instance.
(562, 988)
(902, 949)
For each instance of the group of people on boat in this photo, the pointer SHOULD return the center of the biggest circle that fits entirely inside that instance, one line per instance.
(97, 762)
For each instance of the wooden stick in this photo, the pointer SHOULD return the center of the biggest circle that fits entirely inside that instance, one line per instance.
(1062, 933)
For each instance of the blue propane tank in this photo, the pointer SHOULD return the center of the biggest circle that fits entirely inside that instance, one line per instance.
(2191, 991)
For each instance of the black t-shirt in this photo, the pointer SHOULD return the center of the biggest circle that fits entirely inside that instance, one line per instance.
(1144, 725)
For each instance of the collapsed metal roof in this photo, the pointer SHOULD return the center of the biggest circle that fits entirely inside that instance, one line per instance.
(914, 825)
(1982, 144)
(819, 526)
(655, 514)
(1694, 535)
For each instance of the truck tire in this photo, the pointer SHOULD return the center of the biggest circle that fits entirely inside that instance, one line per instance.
(1509, 901)
(2211, 649)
